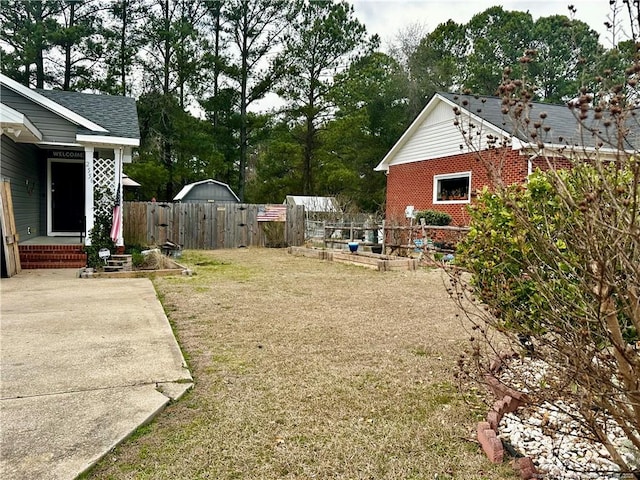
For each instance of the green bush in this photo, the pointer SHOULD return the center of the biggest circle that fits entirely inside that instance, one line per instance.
(530, 252)
(433, 217)
(137, 258)
(100, 234)
(555, 267)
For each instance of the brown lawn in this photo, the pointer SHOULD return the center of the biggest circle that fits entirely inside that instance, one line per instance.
(309, 369)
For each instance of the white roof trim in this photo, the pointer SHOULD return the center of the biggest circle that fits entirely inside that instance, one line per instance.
(383, 166)
(187, 188)
(561, 150)
(11, 119)
(60, 144)
(50, 104)
(104, 140)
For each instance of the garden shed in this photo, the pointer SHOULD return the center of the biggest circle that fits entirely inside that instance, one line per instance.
(317, 211)
(206, 191)
(313, 204)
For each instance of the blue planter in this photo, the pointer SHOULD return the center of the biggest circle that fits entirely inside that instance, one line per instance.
(353, 247)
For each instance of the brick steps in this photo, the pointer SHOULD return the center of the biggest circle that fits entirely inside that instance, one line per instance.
(118, 263)
(52, 256)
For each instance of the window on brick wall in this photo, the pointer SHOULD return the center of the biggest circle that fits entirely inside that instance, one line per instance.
(452, 188)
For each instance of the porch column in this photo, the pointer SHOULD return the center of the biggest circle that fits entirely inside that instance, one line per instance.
(88, 193)
(117, 155)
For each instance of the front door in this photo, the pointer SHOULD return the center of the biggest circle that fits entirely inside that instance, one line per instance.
(67, 197)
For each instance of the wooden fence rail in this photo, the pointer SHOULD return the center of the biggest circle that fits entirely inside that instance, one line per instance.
(210, 225)
(442, 238)
(394, 239)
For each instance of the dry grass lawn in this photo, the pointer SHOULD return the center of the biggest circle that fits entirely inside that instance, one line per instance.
(309, 369)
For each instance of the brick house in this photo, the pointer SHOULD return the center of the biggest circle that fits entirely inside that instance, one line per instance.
(434, 166)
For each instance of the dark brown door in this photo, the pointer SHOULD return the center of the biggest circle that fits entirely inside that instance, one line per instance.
(67, 197)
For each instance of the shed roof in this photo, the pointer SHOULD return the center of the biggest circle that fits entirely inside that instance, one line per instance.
(127, 181)
(313, 204)
(187, 188)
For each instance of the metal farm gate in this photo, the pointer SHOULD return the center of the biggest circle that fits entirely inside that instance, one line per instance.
(213, 225)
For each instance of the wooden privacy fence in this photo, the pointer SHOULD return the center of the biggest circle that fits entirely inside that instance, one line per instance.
(213, 225)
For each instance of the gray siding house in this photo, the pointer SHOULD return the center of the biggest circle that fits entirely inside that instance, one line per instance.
(56, 149)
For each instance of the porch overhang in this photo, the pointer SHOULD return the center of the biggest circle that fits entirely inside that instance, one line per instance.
(18, 126)
(124, 144)
(107, 141)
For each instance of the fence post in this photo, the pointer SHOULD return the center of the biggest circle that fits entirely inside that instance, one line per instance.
(324, 233)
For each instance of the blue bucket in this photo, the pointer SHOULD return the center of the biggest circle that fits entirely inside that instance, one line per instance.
(353, 247)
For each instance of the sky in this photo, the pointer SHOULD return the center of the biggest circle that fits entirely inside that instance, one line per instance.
(387, 17)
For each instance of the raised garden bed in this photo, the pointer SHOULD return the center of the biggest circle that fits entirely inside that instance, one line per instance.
(380, 262)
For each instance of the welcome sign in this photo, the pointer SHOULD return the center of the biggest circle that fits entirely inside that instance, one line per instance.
(66, 154)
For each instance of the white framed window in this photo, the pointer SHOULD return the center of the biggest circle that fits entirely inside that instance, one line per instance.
(452, 188)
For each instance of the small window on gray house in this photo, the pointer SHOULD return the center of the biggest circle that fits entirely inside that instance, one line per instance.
(452, 188)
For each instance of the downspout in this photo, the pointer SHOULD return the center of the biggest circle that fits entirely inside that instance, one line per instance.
(518, 145)
(530, 163)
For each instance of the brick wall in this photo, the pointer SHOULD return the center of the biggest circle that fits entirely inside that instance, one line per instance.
(545, 163)
(412, 183)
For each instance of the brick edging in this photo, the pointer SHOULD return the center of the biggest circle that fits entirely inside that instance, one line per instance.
(507, 400)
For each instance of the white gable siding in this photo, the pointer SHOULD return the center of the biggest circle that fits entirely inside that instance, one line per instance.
(438, 137)
(435, 137)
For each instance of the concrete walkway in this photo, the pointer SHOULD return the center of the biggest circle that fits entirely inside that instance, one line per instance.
(83, 363)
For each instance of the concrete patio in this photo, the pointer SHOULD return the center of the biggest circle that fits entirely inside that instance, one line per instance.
(83, 363)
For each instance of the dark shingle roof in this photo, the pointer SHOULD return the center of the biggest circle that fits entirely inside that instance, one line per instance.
(116, 114)
(565, 129)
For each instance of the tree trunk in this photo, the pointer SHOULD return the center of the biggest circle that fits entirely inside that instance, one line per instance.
(39, 60)
(123, 44)
(166, 147)
(166, 124)
(66, 85)
(167, 50)
(40, 68)
(243, 110)
(216, 65)
(27, 74)
(309, 138)
(307, 174)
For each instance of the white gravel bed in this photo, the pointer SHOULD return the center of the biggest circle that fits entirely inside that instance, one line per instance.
(558, 446)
